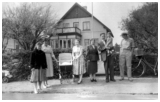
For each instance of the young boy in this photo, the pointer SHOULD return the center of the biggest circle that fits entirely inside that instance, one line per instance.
(109, 44)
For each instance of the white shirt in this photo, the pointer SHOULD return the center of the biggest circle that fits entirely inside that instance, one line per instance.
(127, 44)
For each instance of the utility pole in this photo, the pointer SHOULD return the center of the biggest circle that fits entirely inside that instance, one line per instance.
(92, 22)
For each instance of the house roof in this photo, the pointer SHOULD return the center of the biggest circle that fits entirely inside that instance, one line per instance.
(76, 4)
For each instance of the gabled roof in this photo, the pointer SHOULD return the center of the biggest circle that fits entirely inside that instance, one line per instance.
(89, 14)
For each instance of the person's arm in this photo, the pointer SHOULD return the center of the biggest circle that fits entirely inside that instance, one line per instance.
(81, 51)
(121, 45)
(99, 47)
(132, 45)
(87, 54)
(73, 53)
(97, 53)
(53, 55)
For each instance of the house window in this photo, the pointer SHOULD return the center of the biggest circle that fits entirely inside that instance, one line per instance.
(64, 44)
(56, 43)
(60, 43)
(76, 24)
(86, 25)
(65, 25)
(69, 43)
(52, 43)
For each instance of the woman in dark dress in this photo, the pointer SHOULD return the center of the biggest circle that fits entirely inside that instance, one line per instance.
(38, 65)
(92, 57)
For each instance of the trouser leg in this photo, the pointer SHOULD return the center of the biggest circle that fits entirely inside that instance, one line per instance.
(111, 67)
(106, 70)
(128, 63)
(35, 87)
(122, 65)
(39, 84)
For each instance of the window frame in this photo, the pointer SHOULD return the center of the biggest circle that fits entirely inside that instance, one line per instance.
(75, 23)
(89, 26)
(64, 25)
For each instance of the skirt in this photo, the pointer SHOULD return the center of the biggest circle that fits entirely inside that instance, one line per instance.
(38, 75)
(78, 66)
(92, 67)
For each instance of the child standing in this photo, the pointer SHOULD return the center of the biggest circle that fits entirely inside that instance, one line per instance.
(38, 65)
(109, 43)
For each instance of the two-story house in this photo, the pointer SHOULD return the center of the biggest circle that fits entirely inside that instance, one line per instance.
(77, 24)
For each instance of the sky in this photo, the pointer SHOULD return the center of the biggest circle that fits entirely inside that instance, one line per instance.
(109, 13)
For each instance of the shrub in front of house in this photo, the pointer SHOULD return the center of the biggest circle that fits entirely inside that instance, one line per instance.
(18, 65)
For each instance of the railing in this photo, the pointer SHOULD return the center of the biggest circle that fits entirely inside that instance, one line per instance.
(68, 30)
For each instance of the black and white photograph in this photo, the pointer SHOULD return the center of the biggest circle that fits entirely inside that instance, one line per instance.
(78, 50)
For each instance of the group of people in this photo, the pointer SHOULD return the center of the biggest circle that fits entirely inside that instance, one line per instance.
(42, 66)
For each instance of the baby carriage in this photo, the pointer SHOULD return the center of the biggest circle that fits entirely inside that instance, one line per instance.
(6, 76)
(65, 66)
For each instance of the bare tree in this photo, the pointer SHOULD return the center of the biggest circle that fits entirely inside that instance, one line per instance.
(5, 35)
(28, 21)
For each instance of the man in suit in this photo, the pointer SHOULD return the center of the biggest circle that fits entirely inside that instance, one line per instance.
(107, 59)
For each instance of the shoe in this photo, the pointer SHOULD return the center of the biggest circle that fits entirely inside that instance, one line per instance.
(121, 79)
(94, 80)
(79, 82)
(130, 80)
(113, 80)
(107, 81)
(44, 87)
(35, 91)
(39, 88)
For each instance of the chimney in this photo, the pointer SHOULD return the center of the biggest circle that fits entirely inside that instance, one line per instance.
(85, 7)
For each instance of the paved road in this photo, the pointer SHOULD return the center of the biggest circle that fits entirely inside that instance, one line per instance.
(140, 88)
(81, 96)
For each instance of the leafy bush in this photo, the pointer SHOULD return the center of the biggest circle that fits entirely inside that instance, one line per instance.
(5, 59)
(18, 65)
